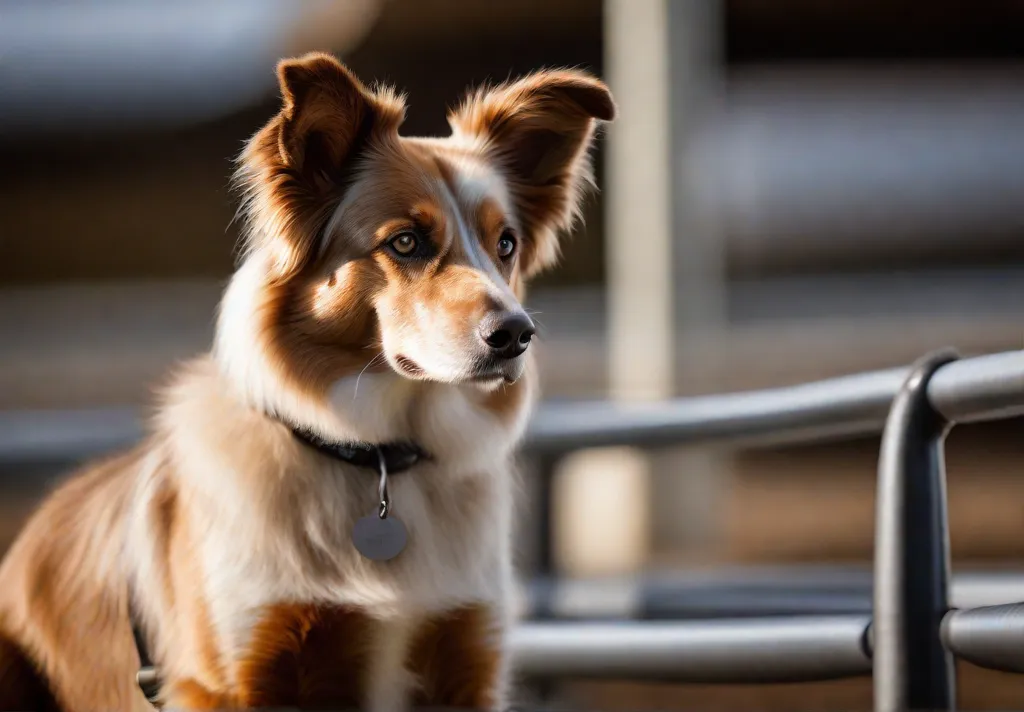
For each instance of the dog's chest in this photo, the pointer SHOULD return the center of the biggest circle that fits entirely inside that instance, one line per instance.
(337, 657)
(458, 552)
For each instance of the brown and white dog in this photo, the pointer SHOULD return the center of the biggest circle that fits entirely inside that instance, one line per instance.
(377, 302)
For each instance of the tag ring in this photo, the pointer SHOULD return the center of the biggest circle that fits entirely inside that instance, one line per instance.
(382, 487)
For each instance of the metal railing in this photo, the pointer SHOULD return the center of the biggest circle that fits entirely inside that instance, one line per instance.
(910, 634)
(908, 641)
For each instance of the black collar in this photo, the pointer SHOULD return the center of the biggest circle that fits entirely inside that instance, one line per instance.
(398, 457)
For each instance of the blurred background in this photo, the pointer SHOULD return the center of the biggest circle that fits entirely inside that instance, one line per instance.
(795, 189)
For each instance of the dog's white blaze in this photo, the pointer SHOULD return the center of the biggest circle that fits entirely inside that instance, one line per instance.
(475, 190)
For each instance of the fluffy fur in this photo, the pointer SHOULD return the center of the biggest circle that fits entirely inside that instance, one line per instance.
(231, 535)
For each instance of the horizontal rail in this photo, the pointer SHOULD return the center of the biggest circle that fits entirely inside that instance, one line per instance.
(743, 593)
(66, 436)
(750, 650)
(795, 649)
(982, 388)
(846, 406)
(990, 637)
(972, 389)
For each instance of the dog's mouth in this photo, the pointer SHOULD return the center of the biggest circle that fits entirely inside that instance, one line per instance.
(492, 378)
(493, 373)
(409, 367)
(487, 374)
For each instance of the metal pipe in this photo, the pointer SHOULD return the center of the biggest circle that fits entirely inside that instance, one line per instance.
(66, 436)
(744, 651)
(982, 388)
(974, 389)
(990, 637)
(739, 593)
(849, 405)
(544, 511)
(912, 669)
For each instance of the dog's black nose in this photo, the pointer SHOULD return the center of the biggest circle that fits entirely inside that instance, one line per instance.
(507, 334)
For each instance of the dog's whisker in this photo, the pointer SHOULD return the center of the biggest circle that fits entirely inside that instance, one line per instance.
(355, 390)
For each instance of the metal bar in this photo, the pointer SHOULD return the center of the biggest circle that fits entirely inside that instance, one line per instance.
(66, 436)
(912, 669)
(990, 637)
(745, 651)
(851, 405)
(739, 593)
(982, 388)
(973, 389)
(546, 464)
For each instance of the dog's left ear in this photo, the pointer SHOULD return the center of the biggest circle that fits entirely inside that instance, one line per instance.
(539, 131)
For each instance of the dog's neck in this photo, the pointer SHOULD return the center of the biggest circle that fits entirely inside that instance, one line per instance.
(241, 353)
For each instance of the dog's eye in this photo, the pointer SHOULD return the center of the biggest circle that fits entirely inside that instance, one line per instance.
(506, 245)
(404, 244)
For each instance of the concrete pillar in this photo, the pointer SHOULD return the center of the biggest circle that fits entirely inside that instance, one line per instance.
(665, 287)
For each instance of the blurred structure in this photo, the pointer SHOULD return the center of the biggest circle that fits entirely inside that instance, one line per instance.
(114, 66)
(797, 189)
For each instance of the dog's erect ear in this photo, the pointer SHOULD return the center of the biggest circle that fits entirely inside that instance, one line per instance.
(328, 115)
(292, 167)
(539, 130)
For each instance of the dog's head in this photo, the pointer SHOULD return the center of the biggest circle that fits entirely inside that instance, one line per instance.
(375, 250)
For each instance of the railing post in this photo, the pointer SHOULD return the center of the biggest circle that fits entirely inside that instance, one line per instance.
(912, 669)
(546, 463)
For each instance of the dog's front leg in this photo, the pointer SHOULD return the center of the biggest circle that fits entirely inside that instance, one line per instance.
(457, 659)
(298, 655)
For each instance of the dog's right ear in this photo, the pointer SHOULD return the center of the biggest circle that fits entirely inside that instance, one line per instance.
(328, 115)
(290, 170)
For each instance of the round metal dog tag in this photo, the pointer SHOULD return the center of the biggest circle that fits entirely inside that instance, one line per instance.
(379, 539)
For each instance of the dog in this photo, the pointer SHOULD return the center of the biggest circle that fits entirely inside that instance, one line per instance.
(370, 367)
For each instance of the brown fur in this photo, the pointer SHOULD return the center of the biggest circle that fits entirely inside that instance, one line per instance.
(456, 658)
(21, 685)
(59, 600)
(301, 656)
(539, 128)
(221, 503)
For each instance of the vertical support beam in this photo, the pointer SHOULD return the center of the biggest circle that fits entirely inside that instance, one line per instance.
(638, 192)
(691, 484)
(665, 266)
(544, 514)
(698, 251)
(912, 669)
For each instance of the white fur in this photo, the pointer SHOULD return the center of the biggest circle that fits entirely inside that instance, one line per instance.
(457, 508)
(390, 683)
